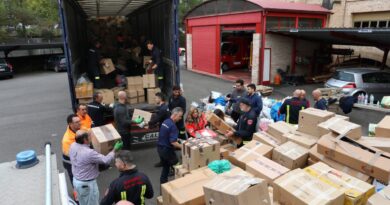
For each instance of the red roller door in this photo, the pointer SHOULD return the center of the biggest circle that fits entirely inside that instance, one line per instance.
(204, 49)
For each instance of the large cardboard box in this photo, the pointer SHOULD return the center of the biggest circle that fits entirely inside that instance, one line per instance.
(141, 99)
(279, 129)
(300, 188)
(300, 138)
(226, 150)
(149, 81)
(315, 157)
(108, 96)
(340, 126)
(84, 90)
(381, 197)
(265, 168)
(135, 83)
(267, 139)
(218, 123)
(356, 191)
(382, 143)
(188, 189)
(236, 190)
(356, 156)
(103, 138)
(131, 94)
(107, 66)
(310, 118)
(382, 129)
(151, 93)
(146, 115)
(290, 155)
(249, 152)
(200, 152)
(234, 171)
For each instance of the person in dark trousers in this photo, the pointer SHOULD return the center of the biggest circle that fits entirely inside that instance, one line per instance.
(96, 110)
(168, 143)
(131, 185)
(156, 63)
(320, 102)
(94, 58)
(291, 107)
(234, 98)
(254, 98)
(246, 124)
(123, 120)
(68, 139)
(177, 100)
(162, 113)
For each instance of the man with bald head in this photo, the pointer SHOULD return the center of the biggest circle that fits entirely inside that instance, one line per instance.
(320, 103)
(123, 120)
(292, 106)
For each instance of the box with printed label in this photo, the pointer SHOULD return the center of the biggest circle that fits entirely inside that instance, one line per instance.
(265, 168)
(200, 152)
(220, 125)
(267, 139)
(103, 138)
(250, 152)
(290, 155)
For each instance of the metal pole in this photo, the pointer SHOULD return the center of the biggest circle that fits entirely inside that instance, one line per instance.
(48, 173)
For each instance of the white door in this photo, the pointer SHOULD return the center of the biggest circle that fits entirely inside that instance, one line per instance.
(267, 65)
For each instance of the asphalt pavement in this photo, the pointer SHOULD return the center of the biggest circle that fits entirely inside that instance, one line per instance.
(33, 110)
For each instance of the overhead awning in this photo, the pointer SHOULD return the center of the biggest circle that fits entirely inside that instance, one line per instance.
(102, 8)
(379, 38)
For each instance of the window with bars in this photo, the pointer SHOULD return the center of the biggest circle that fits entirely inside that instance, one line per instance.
(372, 24)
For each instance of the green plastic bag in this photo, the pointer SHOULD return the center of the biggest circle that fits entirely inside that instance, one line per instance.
(220, 166)
(385, 102)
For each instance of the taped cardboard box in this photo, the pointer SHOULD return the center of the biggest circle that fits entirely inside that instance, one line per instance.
(356, 191)
(141, 93)
(290, 155)
(382, 143)
(146, 115)
(315, 157)
(351, 153)
(226, 150)
(236, 190)
(279, 129)
(135, 83)
(107, 66)
(84, 90)
(159, 200)
(219, 124)
(267, 139)
(249, 152)
(381, 197)
(151, 94)
(265, 168)
(149, 81)
(310, 118)
(200, 152)
(188, 189)
(382, 129)
(300, 188)
(103, 138)
(234, 171)
(131, 94)
(340, 126)
(300, 138)
(108, 96)
(141, 99)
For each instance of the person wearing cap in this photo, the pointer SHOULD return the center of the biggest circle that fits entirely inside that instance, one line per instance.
(85, 119)
(132, 185)
(85, 167)
(292, 106)
(246, 125)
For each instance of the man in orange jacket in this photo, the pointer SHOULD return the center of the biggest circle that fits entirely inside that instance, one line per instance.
(85, 119)
(69, 137)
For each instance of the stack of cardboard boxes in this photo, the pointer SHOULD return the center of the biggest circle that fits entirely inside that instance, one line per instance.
(84, 92)
(135, 91)
(150, 83)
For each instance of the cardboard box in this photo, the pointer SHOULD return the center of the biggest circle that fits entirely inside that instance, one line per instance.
(200, 152)
(381, 197)
(146, 115)
(310, 118)
(236, 190)
(85, 100)
(249, 152)
(141, 99)
(135, 83)
(151, 93)
(300, 138)
(149, 81)
(382, 129)
(265, 168)
(382, 143)
(141, 93)
(300, 188)
(218, 123)
(346, 118)
(356, 156)
(146, 61)
(180, 171)
(226, 150)
(188, 189)
(278, 129)
(132, 101)
(234, 171)
(315, 157)
(290, 155)
(84, 90)
(340, 126)
(131, 94)
(356, 191)
(107, 66)
(103, 138)
(159, 200)
(108, 96)
(267, 139)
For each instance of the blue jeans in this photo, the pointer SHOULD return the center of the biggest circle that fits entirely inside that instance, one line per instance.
(87, 192)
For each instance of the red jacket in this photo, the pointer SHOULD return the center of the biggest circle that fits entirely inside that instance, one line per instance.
(192, 127)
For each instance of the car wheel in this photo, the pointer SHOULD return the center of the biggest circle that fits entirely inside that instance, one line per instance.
(225, 67)
(56, 69)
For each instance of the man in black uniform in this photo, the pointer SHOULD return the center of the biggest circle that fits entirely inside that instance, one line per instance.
(177, 100)
(96, 110)
(246, 125)
(132, 186)
(291, 107)
(123, 120)
(156, 62)
(94, 58)
(162, 113)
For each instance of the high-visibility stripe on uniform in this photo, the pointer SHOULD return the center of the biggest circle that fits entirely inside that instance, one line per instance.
(160, 78)
(123, 195)
(143, 191)
(288, 114)
(97, 77)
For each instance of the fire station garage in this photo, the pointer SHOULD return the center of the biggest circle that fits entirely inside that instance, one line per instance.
(229, 37)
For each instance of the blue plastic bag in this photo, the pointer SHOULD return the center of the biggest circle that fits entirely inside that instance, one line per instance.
(274, 112)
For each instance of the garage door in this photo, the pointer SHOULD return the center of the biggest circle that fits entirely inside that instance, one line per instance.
(204, 49)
